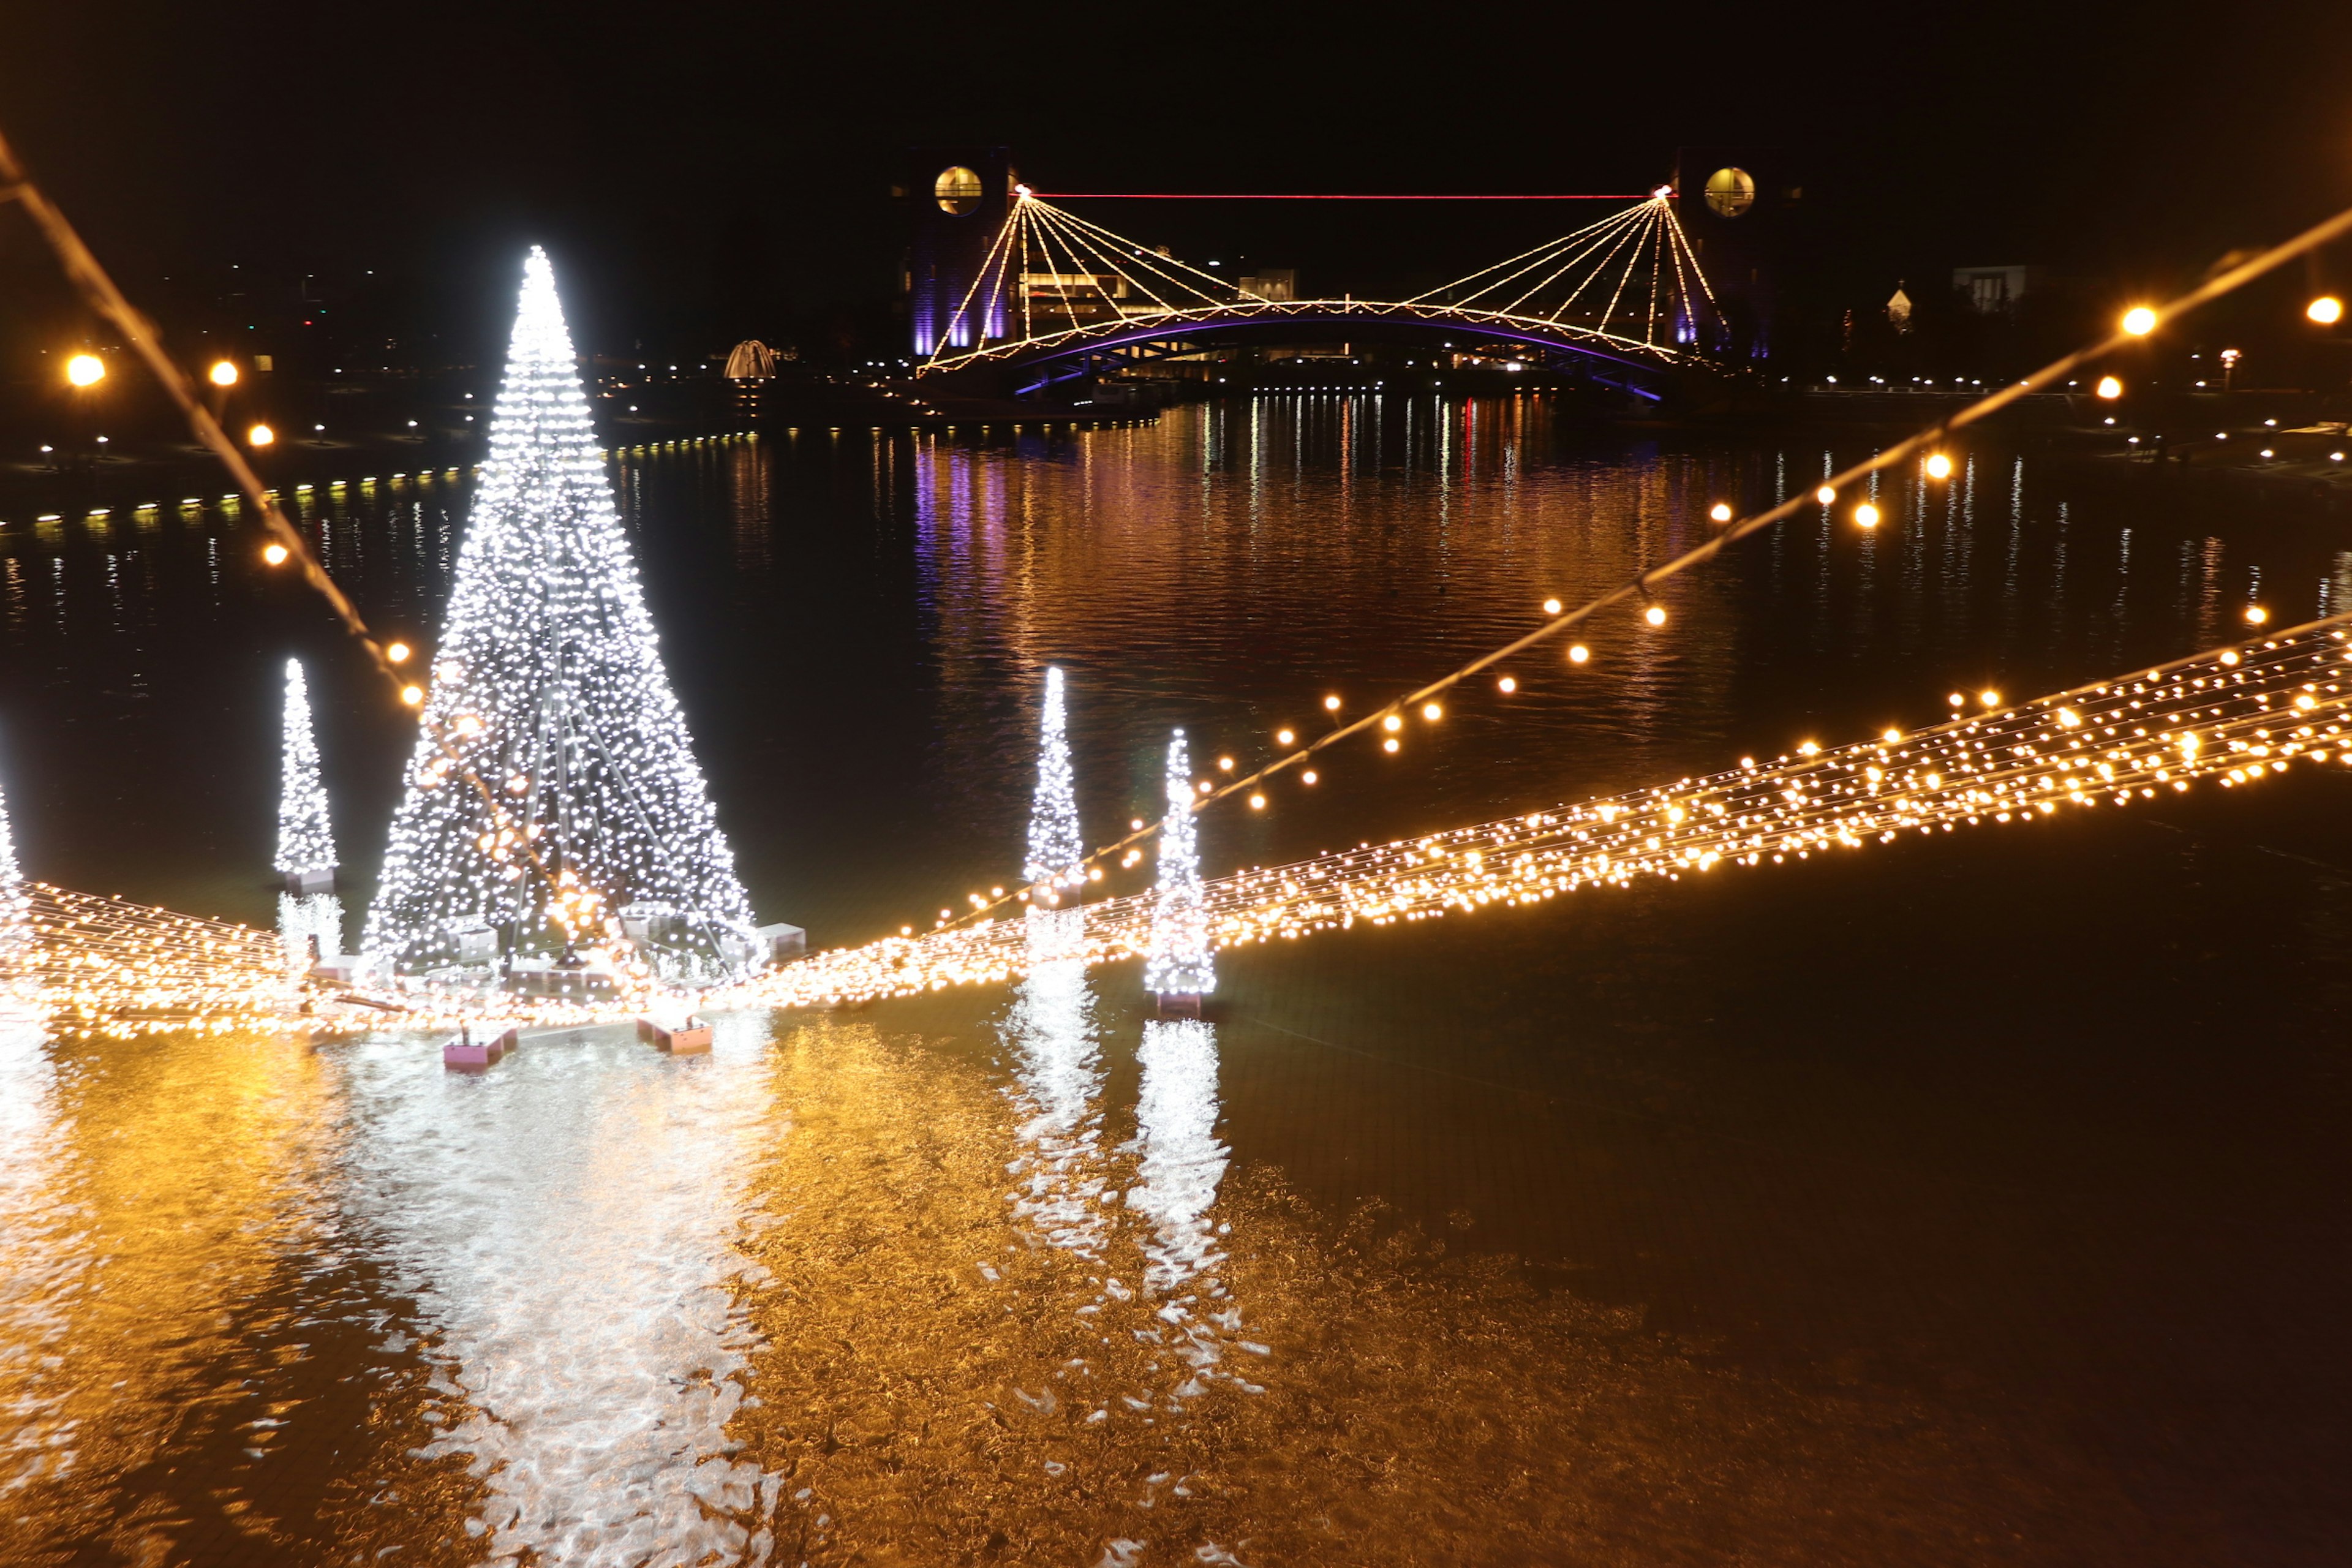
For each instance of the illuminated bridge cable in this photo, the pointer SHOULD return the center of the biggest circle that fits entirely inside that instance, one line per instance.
(1641, 587)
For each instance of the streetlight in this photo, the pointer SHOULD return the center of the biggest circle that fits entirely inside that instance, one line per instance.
(85, 370)
(2328, 310)
(223, 374)
(2139, 321)
(2110, 388)
(261, 436)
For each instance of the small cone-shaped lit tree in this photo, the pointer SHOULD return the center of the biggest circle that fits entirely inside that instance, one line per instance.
(306, 837)
(549, 686)
(16, 900)
(308, 910)
(1180, 971)
(1056, 864)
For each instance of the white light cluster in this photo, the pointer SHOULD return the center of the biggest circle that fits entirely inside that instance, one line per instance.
(306, 837)
(1179, 964)
(16, 906)
(1056, 852)
(548, 688)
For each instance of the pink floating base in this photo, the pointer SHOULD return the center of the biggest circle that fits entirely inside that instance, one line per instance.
(472, 1055)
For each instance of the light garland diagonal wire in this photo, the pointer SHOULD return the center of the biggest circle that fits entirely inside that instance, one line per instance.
(1644, 584)
(2237, 716)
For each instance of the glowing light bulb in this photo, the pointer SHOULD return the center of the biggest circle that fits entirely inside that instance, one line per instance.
(1866, 515)
(1390, 744)
(1392, 723)
(1825, 495)
(1257, 802)
(1226, 764)
(2328, 310)
(85, 370)
(1891, 736)
(274, 553)
(411, 695)
(1284, 737)
(261, 436)
(2256, 615)
(2139, 321)
(1955, 699)
(1551, 607)
(396, 653)
(2231, 657)
(1432, 710)
(1307, 777)
(1507, 685)
(2110, 388)
(1988, 696)
(1579, 654)
(1331, 704)
(221, 373)
(1720, 512)
(1940, 467)
(1655, 615)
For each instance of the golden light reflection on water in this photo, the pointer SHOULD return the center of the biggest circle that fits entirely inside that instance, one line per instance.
(178, 1320)
(947, 1378)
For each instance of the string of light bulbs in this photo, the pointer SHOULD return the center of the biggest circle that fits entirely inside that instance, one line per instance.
(2236, 716)
(1731, 527)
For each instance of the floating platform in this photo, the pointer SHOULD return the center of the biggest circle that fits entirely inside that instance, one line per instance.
(691, 1039)
(468, 1054)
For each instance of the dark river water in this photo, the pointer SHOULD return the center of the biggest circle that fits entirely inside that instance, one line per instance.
(1981, 1200)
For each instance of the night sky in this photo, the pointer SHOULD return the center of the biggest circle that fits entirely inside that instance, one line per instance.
(717, 169)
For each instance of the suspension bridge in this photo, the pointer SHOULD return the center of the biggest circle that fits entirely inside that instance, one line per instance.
(1621, 302)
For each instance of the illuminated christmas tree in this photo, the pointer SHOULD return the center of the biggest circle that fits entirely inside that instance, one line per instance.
(1056, 866)
(1180, 970)
(308, 907)
(549, 688)
(16, 900)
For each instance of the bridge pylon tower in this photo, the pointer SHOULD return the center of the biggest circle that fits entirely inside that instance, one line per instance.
(960, 197)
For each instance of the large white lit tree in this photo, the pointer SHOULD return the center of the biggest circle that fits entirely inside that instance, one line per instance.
(1055, 866)
(16, 900)
(1180, 971)
(549, 686)
(307, 909)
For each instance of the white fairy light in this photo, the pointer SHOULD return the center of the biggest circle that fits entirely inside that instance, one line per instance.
(1056, 851)
(1180, 964)
(15, 907)
(553, 785)
(306, 835)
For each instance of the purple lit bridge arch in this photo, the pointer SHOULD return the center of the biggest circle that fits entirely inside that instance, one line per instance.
(1025, 366)
(1620, 303)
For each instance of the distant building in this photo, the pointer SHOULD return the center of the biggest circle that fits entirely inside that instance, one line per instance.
(1898, 311)
(1995, 291)
(1271, 283)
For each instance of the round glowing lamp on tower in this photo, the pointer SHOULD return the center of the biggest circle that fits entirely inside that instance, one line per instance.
(85, 370)
(223, 374)
(261, 436)
(2110, 388)
(2139, 321)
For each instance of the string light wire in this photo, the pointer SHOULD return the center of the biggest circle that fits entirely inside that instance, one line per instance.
(1643, 585)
